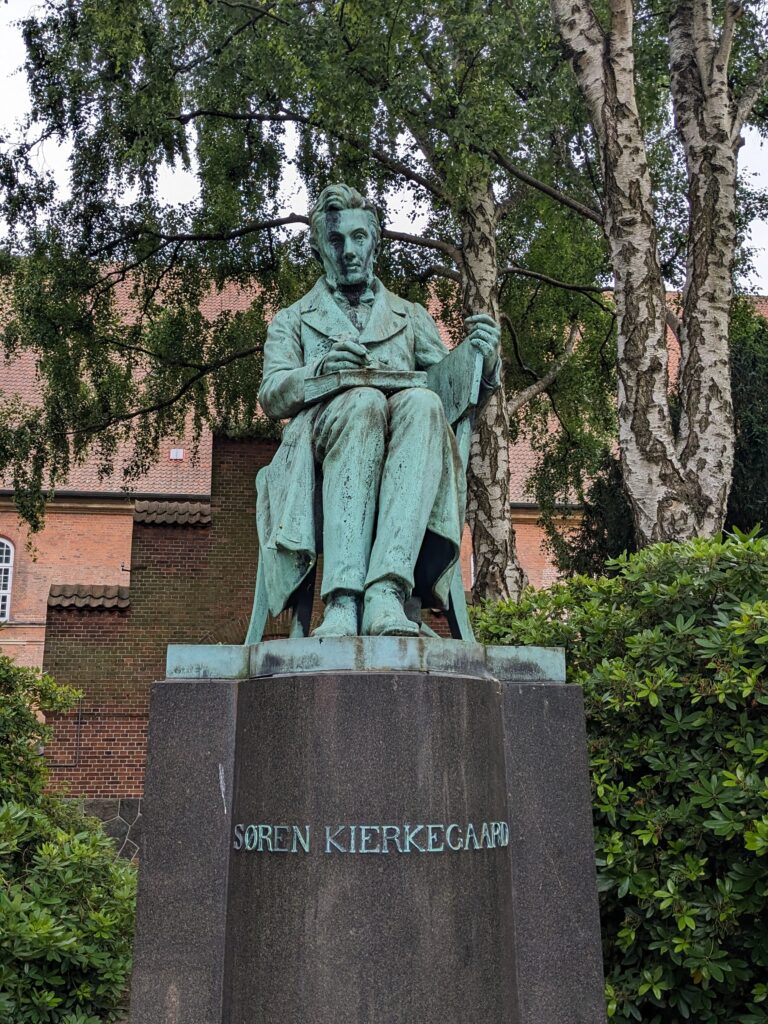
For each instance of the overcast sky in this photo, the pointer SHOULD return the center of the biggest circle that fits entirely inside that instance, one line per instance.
(179, 186)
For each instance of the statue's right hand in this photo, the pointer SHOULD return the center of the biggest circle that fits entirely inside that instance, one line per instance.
(346, 354)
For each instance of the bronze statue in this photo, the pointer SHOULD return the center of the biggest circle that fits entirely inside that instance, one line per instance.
(369, 467)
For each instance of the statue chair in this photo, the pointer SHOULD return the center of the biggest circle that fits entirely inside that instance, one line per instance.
(456, 379)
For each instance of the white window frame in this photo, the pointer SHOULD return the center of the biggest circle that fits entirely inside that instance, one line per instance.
(5, 591)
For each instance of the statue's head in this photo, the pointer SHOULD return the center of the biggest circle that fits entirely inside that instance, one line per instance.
(344, 234)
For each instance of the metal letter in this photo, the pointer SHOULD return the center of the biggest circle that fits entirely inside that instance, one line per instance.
(252, 837)
(485, 837)
(265, 838)
(410, 838)
(390, 834)
(448, 836)
(471, 834)
(303, 840)
(364, 830)
(330, 840)
(238, 844)
(279, 830)
(431, 837)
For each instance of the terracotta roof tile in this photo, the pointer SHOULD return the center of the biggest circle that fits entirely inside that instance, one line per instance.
(19, 376)
(183, 477)
(166, 477)
(178, 513)
(87, 595)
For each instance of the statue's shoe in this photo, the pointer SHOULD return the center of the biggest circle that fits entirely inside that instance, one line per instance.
(383, 613)
(340, 618)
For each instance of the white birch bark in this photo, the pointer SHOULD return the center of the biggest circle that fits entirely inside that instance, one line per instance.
(704, 119)
(498, 573)
(677, 481)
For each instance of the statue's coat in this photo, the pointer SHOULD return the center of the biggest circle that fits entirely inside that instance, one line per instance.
(399, 335)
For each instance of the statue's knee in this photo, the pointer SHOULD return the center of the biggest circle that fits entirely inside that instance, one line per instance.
(421, 403)
(369, 404)
(360, 417)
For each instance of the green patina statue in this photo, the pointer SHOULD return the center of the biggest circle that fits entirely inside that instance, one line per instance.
(369, 469)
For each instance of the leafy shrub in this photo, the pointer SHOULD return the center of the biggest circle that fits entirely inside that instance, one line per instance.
(66, 901)
(672, 654)
(23, 772)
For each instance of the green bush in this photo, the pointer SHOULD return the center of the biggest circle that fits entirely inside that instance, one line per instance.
(66, 901)
(23, 771)
(672, 654)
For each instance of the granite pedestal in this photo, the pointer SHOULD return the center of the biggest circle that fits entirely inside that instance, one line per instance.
(348, 831)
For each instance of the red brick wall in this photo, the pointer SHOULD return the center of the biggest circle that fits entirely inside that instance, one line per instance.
(532, 548)
(533, 554)
(187, 584)
(77, 545)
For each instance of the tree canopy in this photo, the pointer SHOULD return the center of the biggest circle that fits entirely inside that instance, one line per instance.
(471, 109)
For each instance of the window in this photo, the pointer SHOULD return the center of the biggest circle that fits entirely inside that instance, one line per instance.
(6, 574)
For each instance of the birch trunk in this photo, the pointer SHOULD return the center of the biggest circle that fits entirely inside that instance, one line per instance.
(703, 115)
(677, 481)
(498, 573)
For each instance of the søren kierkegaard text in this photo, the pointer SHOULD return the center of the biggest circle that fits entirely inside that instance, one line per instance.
(432, 838)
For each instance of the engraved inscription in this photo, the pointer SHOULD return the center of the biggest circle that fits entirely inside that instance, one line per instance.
(272, 838)
(434, 837)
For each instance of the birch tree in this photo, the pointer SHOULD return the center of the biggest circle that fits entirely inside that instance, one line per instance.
(677, 474)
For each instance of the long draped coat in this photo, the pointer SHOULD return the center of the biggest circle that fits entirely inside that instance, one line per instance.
(399, 335)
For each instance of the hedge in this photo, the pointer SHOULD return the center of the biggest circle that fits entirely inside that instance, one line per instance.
(672, 652)
(66, 900)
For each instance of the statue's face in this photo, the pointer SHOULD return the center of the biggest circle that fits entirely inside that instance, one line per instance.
(350, 247)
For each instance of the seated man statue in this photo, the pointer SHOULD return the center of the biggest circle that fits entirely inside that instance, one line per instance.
(390, 508)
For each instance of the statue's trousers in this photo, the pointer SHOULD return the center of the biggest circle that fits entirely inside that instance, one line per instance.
(383, 461)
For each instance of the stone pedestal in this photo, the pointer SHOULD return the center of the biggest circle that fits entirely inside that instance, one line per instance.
(349, 832)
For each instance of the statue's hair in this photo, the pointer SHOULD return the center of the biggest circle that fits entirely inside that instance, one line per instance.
(338, 197)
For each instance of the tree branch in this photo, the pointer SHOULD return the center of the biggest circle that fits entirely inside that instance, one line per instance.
(451, 251)
(166, 238)
(673, 322)
(226, 236)
(731, 14)
(506, 321)
(165, 403)
(436, 270)
(585, 41)
(523, 397)
(237, 115)
(589, 291)
(258, 13)
(514, 268)
(119, 274)
(180, 364)
(749, 98)
(621, 22)
(703, 35)
(547, 190)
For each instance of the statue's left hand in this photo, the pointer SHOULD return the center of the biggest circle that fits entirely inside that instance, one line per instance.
(485, 336)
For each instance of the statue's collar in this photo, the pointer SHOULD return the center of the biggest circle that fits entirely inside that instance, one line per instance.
(366, 297)
(320, 311)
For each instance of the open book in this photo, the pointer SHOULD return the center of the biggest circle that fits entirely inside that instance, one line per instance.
(327, 385)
